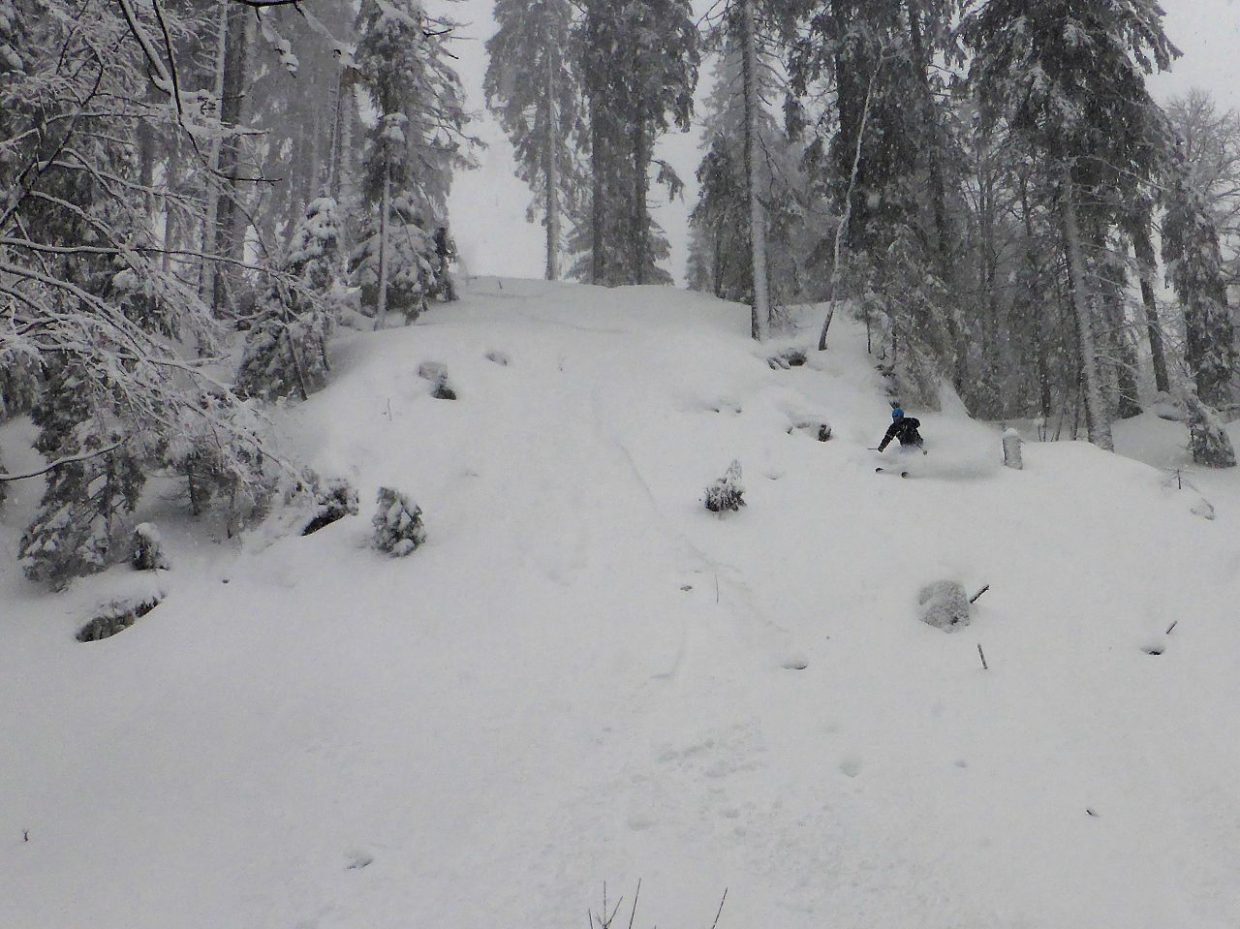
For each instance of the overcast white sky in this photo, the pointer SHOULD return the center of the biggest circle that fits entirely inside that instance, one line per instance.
(488, 204)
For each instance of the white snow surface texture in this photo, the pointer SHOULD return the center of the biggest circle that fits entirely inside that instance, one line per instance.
(584, 677)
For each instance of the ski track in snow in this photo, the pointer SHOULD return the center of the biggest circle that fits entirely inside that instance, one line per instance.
(583, 676)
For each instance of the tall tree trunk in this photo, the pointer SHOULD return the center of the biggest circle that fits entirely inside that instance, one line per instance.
(1123, 354)
(1096, 412)
(230, 229)
(210, 221)
(843, 225)
(598, 190)
(384, 222)
(1146, 269)
(336, 153)
(934, 151)
(641, 219)
(552, 176)
(760, 316)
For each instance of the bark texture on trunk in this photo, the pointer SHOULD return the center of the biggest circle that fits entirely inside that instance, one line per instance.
(1098, 419)
(760, 316)
(229, 228)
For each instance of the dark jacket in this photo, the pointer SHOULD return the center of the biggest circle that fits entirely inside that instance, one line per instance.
(904, 429)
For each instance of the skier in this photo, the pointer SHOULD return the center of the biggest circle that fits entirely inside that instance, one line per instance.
(903, 428)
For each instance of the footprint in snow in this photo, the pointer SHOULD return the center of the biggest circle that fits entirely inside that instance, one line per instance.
(851, 766)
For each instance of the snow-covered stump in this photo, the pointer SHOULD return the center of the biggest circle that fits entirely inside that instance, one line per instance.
(1011, 449)
(398, 523)
(944, 605)
(148, 552)
(1208, 440)
(726, 494)
(437, 373)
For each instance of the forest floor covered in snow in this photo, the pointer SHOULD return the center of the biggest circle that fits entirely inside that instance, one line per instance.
(584, 677)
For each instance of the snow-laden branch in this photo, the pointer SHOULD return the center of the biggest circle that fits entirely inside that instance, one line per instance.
(59, 463)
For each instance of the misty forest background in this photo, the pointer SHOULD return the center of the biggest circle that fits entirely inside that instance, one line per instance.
(196, 194)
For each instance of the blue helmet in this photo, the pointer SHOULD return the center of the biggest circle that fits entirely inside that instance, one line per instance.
(897, 413)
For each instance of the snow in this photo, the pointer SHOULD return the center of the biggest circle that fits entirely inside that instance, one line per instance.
(583, 676)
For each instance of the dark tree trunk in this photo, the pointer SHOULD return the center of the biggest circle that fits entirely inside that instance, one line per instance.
(1146, 268)
(230, 230)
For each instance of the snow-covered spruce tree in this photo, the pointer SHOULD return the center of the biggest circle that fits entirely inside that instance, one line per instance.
(410, 154)
(721, 250)
(83, 516)
(1207, 439)
(86, 290)
(1190, 252)
(398, 523)
(639, 62)
(294, 99)
(1069, 77)
(534, 91)
(878, 156)
(727, 494)
(286, 348)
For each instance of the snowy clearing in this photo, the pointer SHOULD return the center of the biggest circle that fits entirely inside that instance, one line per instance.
(584, 677)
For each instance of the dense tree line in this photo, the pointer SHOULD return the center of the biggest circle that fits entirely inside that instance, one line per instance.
(983, 181)
(180, 175)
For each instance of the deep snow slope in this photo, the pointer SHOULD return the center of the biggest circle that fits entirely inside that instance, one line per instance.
(585, 677)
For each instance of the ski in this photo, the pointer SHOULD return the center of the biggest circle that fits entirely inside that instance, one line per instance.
(889, 471)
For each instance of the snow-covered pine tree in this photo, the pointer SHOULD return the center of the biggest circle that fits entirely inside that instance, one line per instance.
(1069, 77)
(286, 348)
(411, 151)
(721, 252)
(1190, 251)
(639, 62)
(91, 300)
(534, 90)
(82, 516)
(877, 157)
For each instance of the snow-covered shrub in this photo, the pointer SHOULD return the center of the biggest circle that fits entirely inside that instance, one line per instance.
(1208, 440)
(334, 499)
(727, 493)
(398, 523)
(219, 452)
(286, 349)
(148, 553)
(118, 617)
(944, 605)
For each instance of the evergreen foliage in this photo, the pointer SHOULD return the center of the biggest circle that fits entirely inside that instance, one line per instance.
(640, 63)
(398, 523)
(1208, 440)
(409, 156)
(1190, 248)
(286, 348)
(533, 87)
(727, 494)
